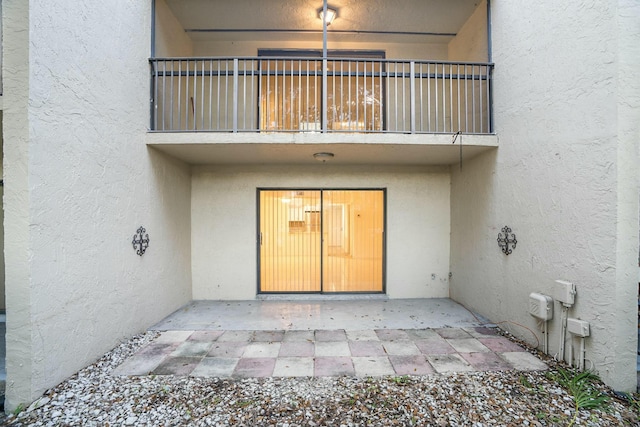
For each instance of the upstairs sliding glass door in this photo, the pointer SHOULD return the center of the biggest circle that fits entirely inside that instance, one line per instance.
(321, 241)
(292, 90)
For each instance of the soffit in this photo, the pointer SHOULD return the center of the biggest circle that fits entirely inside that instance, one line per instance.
(298, 148)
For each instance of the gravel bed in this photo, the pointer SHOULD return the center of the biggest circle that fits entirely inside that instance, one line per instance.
(93, 397)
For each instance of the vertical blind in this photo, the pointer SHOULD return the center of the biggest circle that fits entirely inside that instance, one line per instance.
(321, 240)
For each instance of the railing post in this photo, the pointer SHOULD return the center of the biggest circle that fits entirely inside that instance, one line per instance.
(324, 95)
(152, 95)
(490, 100)
(412, 95)
(235, 94)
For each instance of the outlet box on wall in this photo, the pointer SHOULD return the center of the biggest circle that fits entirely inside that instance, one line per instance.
(565, 292)
(541, 306)
(577, 327)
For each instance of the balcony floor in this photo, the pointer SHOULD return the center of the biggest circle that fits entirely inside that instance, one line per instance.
(298, 148)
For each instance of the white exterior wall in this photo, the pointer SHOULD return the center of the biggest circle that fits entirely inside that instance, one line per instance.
(80, 181)
(170, 38)
(471, 43)
(224, 224)
(565, 177)
(2, 278)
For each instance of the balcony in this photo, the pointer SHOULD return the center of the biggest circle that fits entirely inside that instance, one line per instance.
(315, 95)
(252, 86)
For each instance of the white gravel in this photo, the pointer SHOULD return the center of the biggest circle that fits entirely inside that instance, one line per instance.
(93, 397)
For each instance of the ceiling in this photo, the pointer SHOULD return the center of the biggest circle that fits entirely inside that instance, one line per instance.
(215, 20)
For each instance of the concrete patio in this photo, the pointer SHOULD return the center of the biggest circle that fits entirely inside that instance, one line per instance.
(325, 337)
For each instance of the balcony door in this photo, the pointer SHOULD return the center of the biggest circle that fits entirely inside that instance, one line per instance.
(291, 90)
(321, 241)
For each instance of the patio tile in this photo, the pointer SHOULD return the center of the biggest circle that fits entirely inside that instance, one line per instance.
(392, 335)
(268, 336)
(332, 349)
(146, 359)
(421, 334)
(330, 335)
(449, 363)
(467, 345)
(333, 366)
(434, 346)
(192, 349)
(254, 367)
(524, 361)
(401, 348)
(500, 344)
(262, 349)
(205, 335)
(372, 366)
(237, 336)
(215, 367)
(362, 336)
(157, 349)
(296, 349)
(293, 367)
(298, 336)
(138, 365)
(411, 365)
(453, 333)
(227, 349)
(486, 361)
(481, 332)
(172, 336)
(366, 348)
(177, 366)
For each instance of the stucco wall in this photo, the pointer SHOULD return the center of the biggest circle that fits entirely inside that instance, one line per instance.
(565, 177)
(2, 279)
(224, 224)
(170, 38)
(80, 181)
(470, 44)
(16, 202)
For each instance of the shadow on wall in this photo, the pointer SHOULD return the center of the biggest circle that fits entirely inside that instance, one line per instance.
(172, 226)
(471, 213)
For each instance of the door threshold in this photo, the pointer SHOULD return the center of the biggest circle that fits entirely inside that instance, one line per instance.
(321, 297)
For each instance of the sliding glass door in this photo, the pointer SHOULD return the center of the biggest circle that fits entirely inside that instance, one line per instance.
(291, 90)
(321, 240)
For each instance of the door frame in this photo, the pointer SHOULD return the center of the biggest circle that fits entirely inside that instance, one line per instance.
(321, 190)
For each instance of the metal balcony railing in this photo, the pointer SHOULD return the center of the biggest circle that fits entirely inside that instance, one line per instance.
(269, 94)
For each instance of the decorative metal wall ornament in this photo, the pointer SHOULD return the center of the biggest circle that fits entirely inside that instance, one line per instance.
(507, 239)
(140, 241)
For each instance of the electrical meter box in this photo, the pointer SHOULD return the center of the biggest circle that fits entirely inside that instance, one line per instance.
(541, 306)
(578, 327)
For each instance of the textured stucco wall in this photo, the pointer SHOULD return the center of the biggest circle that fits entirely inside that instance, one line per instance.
(16, 200)
(224, 224)
(2, 279)
(80, 182)
(565, 177)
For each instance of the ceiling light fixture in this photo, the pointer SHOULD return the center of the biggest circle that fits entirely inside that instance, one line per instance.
(331, 15)
(323, 157)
